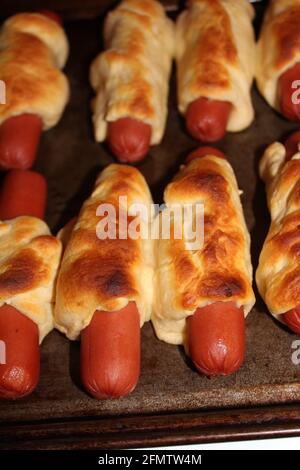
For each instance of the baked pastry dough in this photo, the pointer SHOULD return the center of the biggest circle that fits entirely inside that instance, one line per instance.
(105, 274)
(221, 269)
(29, 260)
(131, 76)
(32, 50)
(278, 273)
(278, 47)
(215, 55)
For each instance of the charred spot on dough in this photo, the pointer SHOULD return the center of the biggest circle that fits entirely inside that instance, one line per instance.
(95, 274)
(117, 284)
(221, 286)
(286, 30)
(23, 272)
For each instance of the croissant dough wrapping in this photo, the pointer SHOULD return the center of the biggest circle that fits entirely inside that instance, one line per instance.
(221, 269)
(32, 50)
(29, 260)
(99, 274)
(278, 273)
(278, 47)
(131, 76)
(215, 55)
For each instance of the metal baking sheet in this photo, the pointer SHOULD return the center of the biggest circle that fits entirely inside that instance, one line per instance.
(71, 160)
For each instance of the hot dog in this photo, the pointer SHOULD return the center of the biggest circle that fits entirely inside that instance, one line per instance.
(130, 79)
(292, 318)
(112, 275)
(212, 290)
(289, 102)
(277, 276)
(20, 134)
(216, 333)
(110, 353)
(129, 139)
(206, 119)
(23, 193)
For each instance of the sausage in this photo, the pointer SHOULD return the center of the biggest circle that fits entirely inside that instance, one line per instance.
(19, 139)
(19, 376)
(216, 338)
(129, 139)
(206, 119)
(23, 193)
(110, 353)
(202, 152)
(292, 319)
(291, 145)
(288, 93)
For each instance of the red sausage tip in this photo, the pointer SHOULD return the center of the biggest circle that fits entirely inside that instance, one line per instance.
(20, 373)
(110, 353)
(292, 145)
(129, 139)
(52, 15)
(216, 337)
(203, 152)
(23, 192)
(288, 94)
(19, 139)
(292, 319)
(206, 119)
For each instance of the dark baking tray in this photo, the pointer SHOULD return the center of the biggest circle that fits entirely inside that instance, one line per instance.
(172, 403)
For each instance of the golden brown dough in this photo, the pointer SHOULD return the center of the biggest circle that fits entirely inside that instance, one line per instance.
(105, 274)
(221, 269)
(278, 273)
(215, 55)
(32, 50)
(131, 76)
(278, 48)
(29, 260)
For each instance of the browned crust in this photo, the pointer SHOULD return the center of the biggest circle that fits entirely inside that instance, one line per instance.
(26, 269)
(287, 32)
(215, 47)
(219, 277)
